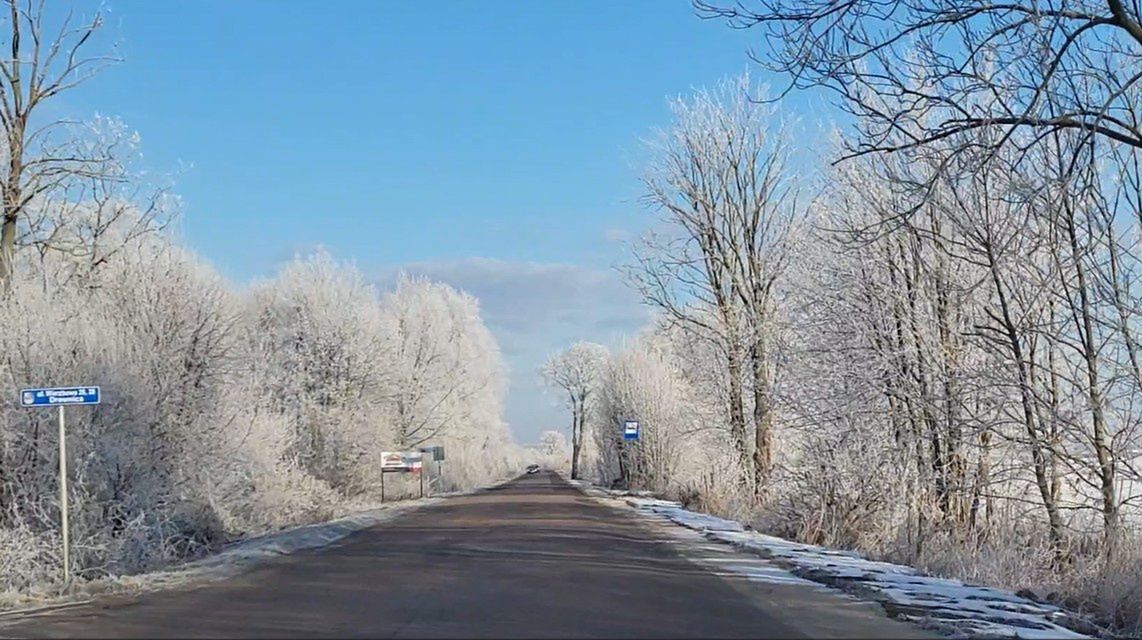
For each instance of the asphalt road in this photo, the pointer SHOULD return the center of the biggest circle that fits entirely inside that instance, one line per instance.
(531, 558)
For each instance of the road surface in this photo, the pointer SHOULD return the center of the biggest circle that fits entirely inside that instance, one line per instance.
(532, 558)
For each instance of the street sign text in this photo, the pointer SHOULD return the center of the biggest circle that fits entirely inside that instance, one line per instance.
(51, 396)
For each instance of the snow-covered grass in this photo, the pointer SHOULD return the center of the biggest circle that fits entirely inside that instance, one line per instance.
(241, 555)
(949, 606)
(231, 559)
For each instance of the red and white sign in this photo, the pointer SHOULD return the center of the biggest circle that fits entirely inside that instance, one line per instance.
(409, 461)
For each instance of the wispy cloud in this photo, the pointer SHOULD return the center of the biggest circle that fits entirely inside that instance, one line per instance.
(616, 235)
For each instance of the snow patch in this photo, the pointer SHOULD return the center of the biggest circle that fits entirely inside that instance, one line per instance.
(242, 555)
(725, 561)
(766, 573)
(949, 606)
(231, 560)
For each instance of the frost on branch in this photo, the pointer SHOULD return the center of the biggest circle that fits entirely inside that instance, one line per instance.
(227, 412)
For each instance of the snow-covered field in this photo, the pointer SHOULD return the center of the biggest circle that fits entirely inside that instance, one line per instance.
(948, 606)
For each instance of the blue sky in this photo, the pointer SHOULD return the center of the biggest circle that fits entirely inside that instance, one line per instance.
(492, 144)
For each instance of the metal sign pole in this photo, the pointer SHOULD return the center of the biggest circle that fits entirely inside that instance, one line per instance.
(421, 474)
(60, 396)
(63, 499)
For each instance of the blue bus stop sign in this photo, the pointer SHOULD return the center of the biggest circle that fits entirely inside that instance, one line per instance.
(630, 429)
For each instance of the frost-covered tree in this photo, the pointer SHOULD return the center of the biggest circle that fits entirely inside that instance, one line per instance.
(447, 380)
(448, 376)
(552, 443)
(318, 337)
(554, 448)
(63, 184)
(727, 204)
(644, 382)
(574, 373)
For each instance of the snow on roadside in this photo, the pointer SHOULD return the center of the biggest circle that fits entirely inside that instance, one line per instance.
(229, 561)
(239, 556)
(941, 604)
(242, 555)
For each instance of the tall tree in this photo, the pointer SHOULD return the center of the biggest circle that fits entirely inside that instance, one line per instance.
(447, 373)
(42, 158)
(720, 181)
(575, 372)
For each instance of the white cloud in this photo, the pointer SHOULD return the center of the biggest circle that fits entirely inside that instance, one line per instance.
(616, 235)
(535, 309)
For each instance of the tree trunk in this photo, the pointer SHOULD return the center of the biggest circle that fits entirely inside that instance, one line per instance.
(1039, 460)
(624, 461)
(13, 192)
(762, 416)
(921, 374)
(576, 437)
(949, 370)
(1099, 438)
(7, 253)
(982, 477)
(903, 370)
(737, 406)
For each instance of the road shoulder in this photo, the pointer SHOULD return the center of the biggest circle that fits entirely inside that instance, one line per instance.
(813, 609)
(232, 560)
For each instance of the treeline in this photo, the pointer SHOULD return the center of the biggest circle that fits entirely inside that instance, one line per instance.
(226, 412)
(930, 355)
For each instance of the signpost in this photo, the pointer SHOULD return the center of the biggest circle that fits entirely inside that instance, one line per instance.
(630, 429)
(61, 397)
(392, 461)
(438, 456)
(50, 397)
(434, 453)
(401, 462)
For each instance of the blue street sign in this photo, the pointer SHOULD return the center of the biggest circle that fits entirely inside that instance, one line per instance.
(630, 429)
(52, 396)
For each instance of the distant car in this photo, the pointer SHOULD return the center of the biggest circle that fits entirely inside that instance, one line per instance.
(532, 468)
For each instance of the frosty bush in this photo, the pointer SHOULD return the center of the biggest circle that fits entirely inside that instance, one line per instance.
(225, 412)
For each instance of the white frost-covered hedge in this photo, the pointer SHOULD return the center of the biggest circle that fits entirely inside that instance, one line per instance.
(227, 411)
